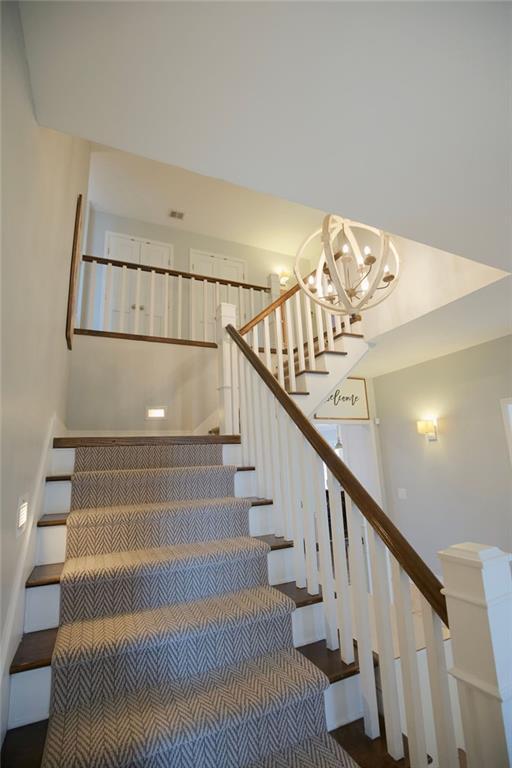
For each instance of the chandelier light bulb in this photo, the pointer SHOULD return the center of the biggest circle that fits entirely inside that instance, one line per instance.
(359, 277)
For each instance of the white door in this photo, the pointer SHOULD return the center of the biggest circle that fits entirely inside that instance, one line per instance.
(223, 267)
(136, 250)
(153, 254)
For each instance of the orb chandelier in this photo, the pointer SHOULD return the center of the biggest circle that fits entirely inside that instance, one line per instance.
(355, 272)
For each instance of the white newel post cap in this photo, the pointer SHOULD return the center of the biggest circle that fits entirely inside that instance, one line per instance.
(226, 315)
(478, 590)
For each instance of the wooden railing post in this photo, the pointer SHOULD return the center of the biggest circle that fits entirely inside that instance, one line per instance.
(226, 315)
(478, 589)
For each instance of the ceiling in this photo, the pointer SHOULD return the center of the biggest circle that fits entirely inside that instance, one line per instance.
(480, 316)
(145, 190)
(390, 113)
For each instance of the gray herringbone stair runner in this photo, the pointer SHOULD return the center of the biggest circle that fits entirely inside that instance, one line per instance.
(172, 649)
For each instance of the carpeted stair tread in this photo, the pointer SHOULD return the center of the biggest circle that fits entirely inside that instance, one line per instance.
(145, 456)
(318, 752)
(166, 523)
(87, 640)
(221, 716)
(120, 582)
(106, 567)
(103, 488)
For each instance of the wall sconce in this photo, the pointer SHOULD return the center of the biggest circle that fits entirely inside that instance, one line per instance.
(284, 278)
(428, 427)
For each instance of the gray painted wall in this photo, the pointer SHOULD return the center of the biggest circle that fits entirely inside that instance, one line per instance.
(112, 381)
(260, 263)
(459, 488)
(42, 173)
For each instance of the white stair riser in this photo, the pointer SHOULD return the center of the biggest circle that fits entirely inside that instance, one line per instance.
(280, 566)
(29, 697)
(343, 702)
(308, 624)
(51, 540)
(57, 494)
(62, 460)
(42, 607)
(51, 544)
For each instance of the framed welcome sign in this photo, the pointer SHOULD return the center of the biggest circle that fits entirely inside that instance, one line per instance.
(349, 401)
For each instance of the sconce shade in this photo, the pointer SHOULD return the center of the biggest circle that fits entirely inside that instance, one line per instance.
(427, 427)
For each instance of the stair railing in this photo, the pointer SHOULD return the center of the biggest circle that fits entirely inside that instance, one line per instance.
(125, 298)
(289, 333)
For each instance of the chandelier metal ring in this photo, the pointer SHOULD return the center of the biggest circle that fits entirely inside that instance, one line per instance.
(346, 281)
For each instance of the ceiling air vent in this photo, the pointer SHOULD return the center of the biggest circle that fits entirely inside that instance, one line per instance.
(177, 215)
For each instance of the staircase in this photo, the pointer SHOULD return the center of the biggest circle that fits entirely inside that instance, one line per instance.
(172, 648)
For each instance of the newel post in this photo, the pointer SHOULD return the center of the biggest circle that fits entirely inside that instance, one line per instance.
(478, 589)
(226, 315)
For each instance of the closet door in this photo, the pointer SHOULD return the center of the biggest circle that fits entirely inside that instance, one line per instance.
(122, 248)
(154, 254)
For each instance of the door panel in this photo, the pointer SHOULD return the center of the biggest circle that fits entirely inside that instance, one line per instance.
(214, 265)
(122, 248)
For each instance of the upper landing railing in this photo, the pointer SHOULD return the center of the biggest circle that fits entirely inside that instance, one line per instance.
(168, 304)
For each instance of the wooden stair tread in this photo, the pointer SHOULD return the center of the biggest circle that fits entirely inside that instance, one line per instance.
(296, 392)
(371, 753)
(55, 519)
(34, 651)
(275, 542)
(329, 662)
(93, 442)
(301, 597)
(145, 337)
(314, 373)
(23, 747)
(42, 575)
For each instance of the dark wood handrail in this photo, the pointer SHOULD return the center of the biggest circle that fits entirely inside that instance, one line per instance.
(266, 311)
(419, 572)
(174, 273)
(73, 274)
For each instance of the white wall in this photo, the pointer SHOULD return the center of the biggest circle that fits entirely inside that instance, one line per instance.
(42, 174)
(396, 114)
(459, 488)
(112, 381)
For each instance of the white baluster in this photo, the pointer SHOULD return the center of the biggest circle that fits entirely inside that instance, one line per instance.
(276, 494)
(266, 343)
(240, 306)
(122, 302)
(260, 446)
(310, 335)
(205, 310)
(137, 301)
(267, 480)
(92, 296)
(167, 307)
(447, 754)
(382, 611)
(251, 302)
(337, 325)
(108, 299)
(279, 346)
(244, 424)
(308, 517)
(328, 325)
(180, 308)
(340, 570)
(217, 294)
(300, 333)
(362, 620)
(299, 560)
(284, 474)
(290, 345)
(193, 308)
(320, 328)
(324, 552)
(225, 316)
(409, 667)
(251, 431)
(235, 390)
(152, 303)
